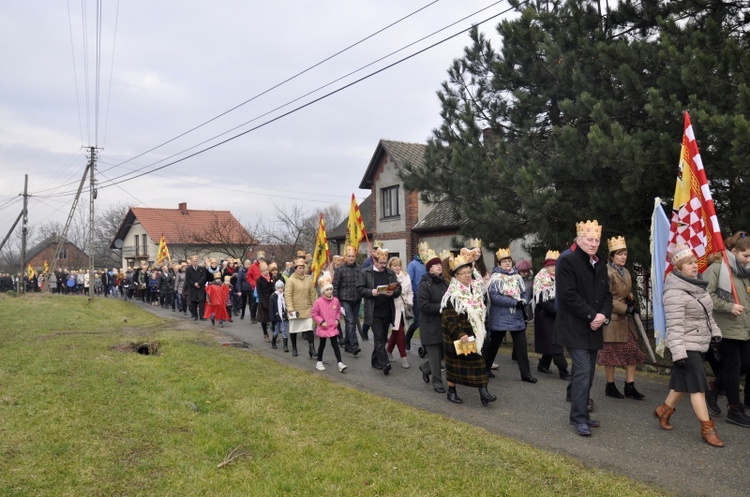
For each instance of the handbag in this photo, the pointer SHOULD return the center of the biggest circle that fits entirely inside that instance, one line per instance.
(409, 311)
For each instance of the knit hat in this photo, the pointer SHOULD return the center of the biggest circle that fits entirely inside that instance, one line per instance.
(523, 265)
(279, 284)
(432, 259)
(550, 259)
(325, 284)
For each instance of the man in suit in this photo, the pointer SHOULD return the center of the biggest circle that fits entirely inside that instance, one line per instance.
(584, 305)
(195, 284)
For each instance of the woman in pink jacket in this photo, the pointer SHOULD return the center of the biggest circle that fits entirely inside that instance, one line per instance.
(326, 312)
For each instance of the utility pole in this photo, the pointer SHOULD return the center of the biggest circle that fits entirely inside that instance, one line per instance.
(92, 197)
(24, 232)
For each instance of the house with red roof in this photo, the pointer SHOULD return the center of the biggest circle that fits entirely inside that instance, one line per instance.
(205, 233)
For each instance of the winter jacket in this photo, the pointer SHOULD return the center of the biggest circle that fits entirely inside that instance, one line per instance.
(406, 298)
(242, 283)
(689, 312)
(328, 311)
(367, 284)
(620, 287)
(429, 295)
(273, 307)
(504, 312)
(179, 283)
(345, 281)
(299, 294)
(582, 292)
(416, 270)
(731, 326)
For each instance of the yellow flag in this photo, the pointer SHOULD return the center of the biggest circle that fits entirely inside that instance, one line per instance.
(46, 267)
(321, 254)
(30, 271)
(355, 227)
(163, 252)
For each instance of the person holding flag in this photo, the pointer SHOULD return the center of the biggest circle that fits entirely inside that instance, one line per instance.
(729, 287)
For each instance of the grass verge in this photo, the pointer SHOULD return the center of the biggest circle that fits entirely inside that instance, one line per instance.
(79, 416)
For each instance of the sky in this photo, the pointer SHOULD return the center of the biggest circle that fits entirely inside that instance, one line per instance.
(169, 66)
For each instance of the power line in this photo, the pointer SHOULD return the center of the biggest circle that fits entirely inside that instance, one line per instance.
(291, 78)
(296, 109)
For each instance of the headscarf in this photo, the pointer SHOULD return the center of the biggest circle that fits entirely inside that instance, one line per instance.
(543, 286)
(470, 301)
(724, 289)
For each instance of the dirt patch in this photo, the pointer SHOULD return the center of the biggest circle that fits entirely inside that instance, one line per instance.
(143, 348)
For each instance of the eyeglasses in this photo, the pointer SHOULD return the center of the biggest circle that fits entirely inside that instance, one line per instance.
(299, 267)
(381, 263)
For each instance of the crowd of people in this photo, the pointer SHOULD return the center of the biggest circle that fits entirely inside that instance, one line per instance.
(578, 302)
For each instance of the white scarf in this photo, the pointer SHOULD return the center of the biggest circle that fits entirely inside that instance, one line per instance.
(469, 300)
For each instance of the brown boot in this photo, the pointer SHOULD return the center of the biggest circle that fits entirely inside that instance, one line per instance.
(709, 434)
(663, 413)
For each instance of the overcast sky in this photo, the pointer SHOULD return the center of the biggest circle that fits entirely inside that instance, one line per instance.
(179, 63)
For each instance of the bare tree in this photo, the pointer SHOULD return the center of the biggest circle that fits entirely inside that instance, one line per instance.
(107, 222)
(222, 234)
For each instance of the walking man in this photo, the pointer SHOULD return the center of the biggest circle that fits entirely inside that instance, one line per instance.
(584, 305)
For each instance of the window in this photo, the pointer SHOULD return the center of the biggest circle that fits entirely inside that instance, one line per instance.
(145, 249)
(389, 201)
(137, 245)
(64, 253)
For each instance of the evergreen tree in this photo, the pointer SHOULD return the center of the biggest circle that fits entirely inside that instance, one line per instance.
(579, 116)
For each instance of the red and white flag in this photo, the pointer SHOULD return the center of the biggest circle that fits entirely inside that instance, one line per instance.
(694, 222)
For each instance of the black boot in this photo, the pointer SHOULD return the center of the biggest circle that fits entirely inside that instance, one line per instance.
(286, 344)
(712, 400)
(311, 351)
(632, 393)
(611, 391)
(453, 396)
(294, 346)
(485, 396)
(273, 343)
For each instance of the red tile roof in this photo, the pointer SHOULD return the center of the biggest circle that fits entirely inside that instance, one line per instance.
(189, 227)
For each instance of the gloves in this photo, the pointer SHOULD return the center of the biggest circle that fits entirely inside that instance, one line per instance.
(679, 363)
(520, 304)
(630, 310)
(715, 341)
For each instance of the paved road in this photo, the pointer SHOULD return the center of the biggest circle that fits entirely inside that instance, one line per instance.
(629, 441)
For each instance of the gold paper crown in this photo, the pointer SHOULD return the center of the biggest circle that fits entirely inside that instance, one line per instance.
(260, 255)
(381, 252)
(616, 243)
(458, 261)
(430, 255)
(503, 253)
(680, 253)
(324, 281)
(590, 229)
(377, 244)
(552, 254)
(475, 243)
(423, 246)
(445, 254)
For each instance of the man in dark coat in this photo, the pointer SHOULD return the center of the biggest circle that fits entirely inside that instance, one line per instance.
(584, 305)
(345, 281)
(195, 283)
(379, 287)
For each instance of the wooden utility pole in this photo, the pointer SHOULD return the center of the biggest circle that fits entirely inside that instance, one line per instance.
(24, 232)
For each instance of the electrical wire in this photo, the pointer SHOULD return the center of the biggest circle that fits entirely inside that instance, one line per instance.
(75, 71)
(123, 178)
(287, 80)
(111, 72)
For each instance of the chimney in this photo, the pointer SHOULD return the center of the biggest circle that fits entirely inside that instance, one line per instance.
(183, 208)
